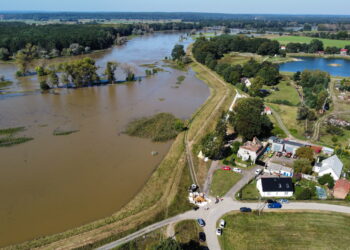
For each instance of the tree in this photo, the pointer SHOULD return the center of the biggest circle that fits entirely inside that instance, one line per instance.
(111, 67)
(315, 46)
(248, 121)
(303, 113)
(302, 166)
(168, 244)
(303, 194)
(53, 78)
(296, 76)
(305, 153)
(129, 72)
(269, 74)
(178, 52)
(212, 145)
(4, 54)
(44, 85)
(257, 85)
(326, 179)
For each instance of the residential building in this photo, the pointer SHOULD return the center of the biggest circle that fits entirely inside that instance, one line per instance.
(246, 82)
(292, 147)
(341, 189)
(278, 169)
(277, 145)
(331, 165)
(283, 47)
(344, 52)
(267, 111)
(275, 186)
(250, 150)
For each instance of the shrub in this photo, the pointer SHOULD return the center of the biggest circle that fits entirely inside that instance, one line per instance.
(303, 194)
(326, 179)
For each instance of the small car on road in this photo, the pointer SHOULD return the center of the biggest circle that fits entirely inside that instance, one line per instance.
(201, 222)
(226, 168)
(275, 205)
(222, 223)
(202, 237)
(284, 201)
(237, 170)
(258, 171)
(245, 209)
(219, 231)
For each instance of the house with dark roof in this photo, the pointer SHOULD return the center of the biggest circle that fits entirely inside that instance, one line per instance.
(275, 186)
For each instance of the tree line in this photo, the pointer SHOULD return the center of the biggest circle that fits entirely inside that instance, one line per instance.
(313, 47)
(64, 40)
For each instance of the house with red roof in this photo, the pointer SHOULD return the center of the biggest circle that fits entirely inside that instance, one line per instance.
(344, 52)
(341, 189)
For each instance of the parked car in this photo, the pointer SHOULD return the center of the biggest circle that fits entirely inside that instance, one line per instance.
(195, 208)
(269, 201)
(245, 209)
(226, 168)
(275, 205)
(201, 222)
(284, 201)
(279, 154)
(258, 171)
(202, 237)
(219, 231)
(222, 223)
(237, 170)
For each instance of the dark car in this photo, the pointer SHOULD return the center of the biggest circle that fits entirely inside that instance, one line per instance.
(202, 237)
(270, 201)
(195, 208)
(245, 209)
(275, 205)
(201, 222)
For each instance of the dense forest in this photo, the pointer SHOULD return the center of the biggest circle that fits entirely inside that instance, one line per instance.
(62, 39)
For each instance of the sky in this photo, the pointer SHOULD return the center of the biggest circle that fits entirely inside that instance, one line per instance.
(217, 6)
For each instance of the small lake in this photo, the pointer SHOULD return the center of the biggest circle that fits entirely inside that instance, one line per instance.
(341, 67)
(55, 183)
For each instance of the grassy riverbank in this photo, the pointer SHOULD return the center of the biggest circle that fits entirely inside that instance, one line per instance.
(283, 230)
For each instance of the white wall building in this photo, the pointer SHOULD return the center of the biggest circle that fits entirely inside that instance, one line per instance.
(331, 165)
(275, 187)
(250, 150)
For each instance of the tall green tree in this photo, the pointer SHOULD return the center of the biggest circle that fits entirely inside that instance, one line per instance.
(248, 120)
(178, 52)
(111, 67)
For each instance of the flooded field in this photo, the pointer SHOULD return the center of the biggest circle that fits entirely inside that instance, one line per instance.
(54, 183)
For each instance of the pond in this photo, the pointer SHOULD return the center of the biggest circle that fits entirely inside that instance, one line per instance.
(335, 67)
(54, 183)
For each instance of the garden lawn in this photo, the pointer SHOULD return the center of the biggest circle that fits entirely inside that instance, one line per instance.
(249, 192)
(303, 39)
(295, 230)
(186, 231)
(222, 182)
(286, 92)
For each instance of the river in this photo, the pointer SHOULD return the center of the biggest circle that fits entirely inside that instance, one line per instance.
(335, 67)
(55, 183)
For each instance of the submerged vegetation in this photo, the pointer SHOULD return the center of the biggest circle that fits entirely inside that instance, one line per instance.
(7, 137)
(67, 132)
(161, 127)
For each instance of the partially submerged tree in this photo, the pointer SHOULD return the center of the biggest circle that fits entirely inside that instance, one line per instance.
(178, 52)
(111, 67)
(129, 71)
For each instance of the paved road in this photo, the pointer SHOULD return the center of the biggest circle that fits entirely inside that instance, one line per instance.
(215, 212)
(213, 167)
(248, 175)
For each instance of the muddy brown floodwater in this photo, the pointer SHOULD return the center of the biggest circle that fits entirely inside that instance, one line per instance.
(55, 183)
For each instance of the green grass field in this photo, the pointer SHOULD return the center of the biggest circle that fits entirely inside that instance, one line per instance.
(249, 192)
(303, 39)
(235, 58)
(187, 231)
(147, 242)
(286, 231)
(286, 92)
(222, 182)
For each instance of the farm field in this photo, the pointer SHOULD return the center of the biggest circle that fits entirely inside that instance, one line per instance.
(303, 39)
(286, 231)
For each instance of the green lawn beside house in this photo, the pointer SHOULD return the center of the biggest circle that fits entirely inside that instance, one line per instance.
(223, 181)
(287, 230)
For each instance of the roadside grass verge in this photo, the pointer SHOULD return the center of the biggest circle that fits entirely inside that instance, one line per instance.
(286, 230)
(68, 132)
(248, 192)
(223, 181)
(160, 127)
(187, 234)
(147, 242)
